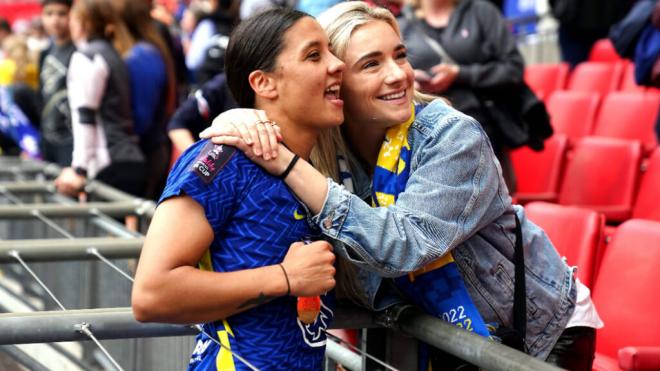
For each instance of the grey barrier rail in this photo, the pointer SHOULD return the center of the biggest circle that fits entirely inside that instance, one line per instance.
(118, 323)
(48, 250)
(73, 237)
(115, 202)
(90, 209)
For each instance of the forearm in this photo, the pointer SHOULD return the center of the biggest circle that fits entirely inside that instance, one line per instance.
(84, 143)
(189, 295)
(170, 288)
(87, 79)
(309, 185)
(391, 240)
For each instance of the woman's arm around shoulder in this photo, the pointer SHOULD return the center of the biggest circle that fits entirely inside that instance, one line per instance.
(453, 191)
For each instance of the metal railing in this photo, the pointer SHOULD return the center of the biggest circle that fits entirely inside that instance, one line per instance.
(78, 243)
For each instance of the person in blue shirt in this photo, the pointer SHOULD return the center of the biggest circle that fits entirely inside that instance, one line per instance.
(153, 91)
(242, 226)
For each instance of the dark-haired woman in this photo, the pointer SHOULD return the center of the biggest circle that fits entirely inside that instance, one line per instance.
(243, 227)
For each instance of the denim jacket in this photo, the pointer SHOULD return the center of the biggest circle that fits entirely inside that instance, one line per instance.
(455, 200)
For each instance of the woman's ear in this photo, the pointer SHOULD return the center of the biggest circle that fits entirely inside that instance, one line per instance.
(263, 84)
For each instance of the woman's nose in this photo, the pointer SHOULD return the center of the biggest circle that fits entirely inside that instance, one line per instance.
(335, 65)
(395, 73)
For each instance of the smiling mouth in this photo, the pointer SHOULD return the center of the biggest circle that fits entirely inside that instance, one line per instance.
(393, 96)
(332, 92)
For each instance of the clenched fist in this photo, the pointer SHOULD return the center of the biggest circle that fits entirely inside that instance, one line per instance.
(310, 268)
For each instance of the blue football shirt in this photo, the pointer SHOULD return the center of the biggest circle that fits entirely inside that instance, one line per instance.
(255, 218)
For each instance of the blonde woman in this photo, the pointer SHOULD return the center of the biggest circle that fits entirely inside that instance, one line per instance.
(445, 196)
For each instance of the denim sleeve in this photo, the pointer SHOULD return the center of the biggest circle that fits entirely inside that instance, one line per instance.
(453, 191)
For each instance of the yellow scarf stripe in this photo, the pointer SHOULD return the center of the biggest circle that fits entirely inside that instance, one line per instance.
(225, 360)
(385, 199)
(396, 138)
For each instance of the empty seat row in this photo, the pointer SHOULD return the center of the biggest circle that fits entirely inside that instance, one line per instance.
(624, 115)
(597, 77)
(623, 276)
(602, 174)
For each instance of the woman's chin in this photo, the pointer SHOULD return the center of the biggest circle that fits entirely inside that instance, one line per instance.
(402, 116)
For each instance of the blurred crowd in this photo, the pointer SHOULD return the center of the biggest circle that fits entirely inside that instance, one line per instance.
(111, 74)
(135, 81)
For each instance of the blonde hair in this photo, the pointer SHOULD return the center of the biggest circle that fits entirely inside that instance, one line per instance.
(339, 23)
(16, 50)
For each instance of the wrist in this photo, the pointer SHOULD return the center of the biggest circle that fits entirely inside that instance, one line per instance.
(283, 159)
(278, 283)
(286, 278)
(289, 167)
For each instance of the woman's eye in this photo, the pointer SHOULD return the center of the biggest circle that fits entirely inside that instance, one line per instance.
(313, 56)
(369, 65)
(402, 55)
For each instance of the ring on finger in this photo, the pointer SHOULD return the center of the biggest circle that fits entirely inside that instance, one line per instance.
(267, 122)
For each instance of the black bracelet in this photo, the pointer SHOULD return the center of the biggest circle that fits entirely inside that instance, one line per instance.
(290, 167)
(288, 285)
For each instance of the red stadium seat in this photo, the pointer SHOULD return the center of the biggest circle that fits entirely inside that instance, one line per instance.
(626, 294)
(603, 51)
(602, 174)
(598, 77)
(573, 113)
(576, 233)
(647, 205)
(539, 173)
(629, 116)
(544, 79)
(639, 358)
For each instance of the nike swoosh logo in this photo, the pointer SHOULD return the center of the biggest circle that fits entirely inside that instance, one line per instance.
(297, 216)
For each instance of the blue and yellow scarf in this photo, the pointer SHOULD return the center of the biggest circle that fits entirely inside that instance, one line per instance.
(440, 291)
